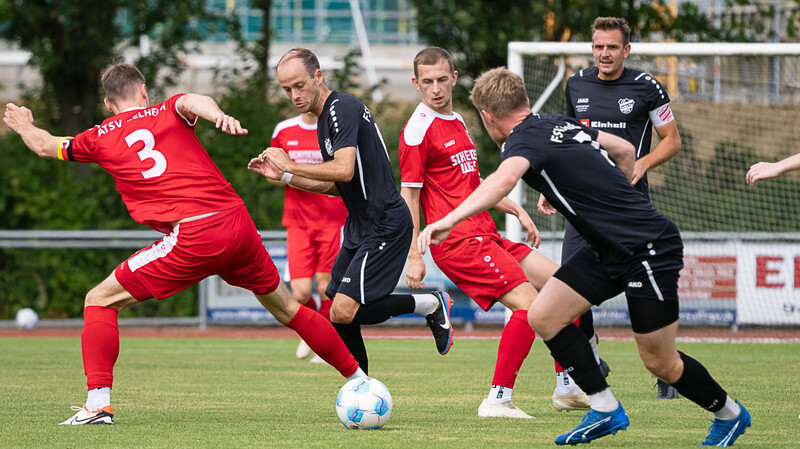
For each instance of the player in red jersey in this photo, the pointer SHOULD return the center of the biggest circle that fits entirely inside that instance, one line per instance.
(168, 182)
(313, 222)
(439, 168)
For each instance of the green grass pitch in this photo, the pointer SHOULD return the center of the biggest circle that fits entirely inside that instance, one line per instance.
(221, 393)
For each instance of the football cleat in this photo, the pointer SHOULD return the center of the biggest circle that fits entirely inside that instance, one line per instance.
(103, 416)
(595, 425)
(439, 322)
(303, 350)
(666, 391)
(724, 433)
(503, 409)
(574, 400)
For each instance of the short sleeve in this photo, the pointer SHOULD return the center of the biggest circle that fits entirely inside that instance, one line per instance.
(345, 118)
(172, 105)
(568, 97)
(412, 162)
(657, 95)
(523, 144)
(79, 148)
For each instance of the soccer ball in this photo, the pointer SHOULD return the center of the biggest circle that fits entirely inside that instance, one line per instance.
(26, 318)
(364, 403)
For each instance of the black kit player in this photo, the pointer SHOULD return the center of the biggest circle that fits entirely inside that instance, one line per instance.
(627, 103)
(378, 230)
(585, 174)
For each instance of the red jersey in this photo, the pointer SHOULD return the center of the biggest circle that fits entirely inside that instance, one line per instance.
(302, 208)
(161, 170)
(438, 156)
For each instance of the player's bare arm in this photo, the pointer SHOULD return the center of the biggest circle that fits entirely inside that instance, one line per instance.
(668, 148)
(490, 192)
(415, 271)
(263, 165)
(41, 142)
(340, 169)
(510, 207)
(767, 170)
(619, 150)
(192, 106)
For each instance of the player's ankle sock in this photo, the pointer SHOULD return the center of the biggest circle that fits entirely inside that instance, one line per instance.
(515, 344)
(99, 345)
(571, 349)
(356, 375)
(564, 383)
(697, 385)
(498, 394)
(354, 341)
(603, 401)
(325, 308)
(381, 310)
(730, 411)
(98, 398)
(321, 338)
(425, 303)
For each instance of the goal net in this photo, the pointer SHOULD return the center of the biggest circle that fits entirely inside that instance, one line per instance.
(735, 105)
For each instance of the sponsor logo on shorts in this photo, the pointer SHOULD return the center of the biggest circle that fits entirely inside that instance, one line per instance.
(635, 284)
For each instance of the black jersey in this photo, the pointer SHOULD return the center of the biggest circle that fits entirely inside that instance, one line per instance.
(579, 179)
(371, 196)
(621, 107)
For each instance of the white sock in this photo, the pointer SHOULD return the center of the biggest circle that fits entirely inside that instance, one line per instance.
(604, 401)
(499, 394)
(596, 355)
(730, 411)
(359, 373)
(564, 383)
(425, 304)
(98, 398)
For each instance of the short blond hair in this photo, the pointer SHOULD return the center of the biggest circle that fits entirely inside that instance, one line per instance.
(121, 82)
(499, 91)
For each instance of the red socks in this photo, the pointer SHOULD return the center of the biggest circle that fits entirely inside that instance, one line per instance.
(322, 338)
(325, 308)
(515, 344)
(99, 345)
(559, 368)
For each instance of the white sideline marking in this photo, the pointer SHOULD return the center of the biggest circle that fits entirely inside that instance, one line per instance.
(743, 340)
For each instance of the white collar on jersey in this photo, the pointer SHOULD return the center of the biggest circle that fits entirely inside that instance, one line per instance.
(452, 116)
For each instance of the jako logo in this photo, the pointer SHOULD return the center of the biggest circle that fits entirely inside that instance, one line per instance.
(583, 100)
(345, 280)
(635, 284)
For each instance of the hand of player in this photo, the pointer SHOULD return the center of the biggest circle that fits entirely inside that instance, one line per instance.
(278, 157)
(230, 125)
(433, 234)
(544, 206)
(763, 170)
(533, 233)
(17, 117)
(265, 167)
(639, 171)
(415, 273)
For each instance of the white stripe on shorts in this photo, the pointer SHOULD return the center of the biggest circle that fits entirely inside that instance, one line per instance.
(653, 280)
(157, 251)
(363, 266)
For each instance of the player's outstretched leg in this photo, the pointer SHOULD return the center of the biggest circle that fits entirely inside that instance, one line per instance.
(515, 344)
(439, 323)
(595, 425)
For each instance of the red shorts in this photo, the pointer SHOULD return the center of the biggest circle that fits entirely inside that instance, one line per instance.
(226, 244)
(310, 251)
(485, 267)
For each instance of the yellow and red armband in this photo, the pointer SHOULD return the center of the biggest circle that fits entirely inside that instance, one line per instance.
(65, 149)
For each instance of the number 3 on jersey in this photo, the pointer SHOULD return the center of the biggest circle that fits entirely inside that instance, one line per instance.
(148, 152)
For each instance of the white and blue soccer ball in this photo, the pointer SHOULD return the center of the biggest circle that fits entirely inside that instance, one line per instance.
(364, 403)
(26, 318)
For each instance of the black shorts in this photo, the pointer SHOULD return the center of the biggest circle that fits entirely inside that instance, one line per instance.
(650, 284)
(372, 270)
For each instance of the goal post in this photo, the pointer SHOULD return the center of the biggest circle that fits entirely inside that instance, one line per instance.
(735, 104)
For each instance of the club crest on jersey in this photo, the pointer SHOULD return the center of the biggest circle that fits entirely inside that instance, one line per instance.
(328, 147)
(625, 105)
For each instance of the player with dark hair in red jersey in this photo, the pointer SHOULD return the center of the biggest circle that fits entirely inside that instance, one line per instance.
(169, 182)
(313, 222)
(439, 169)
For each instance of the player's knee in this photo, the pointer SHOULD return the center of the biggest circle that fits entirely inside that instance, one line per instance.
(341, 315)
(666, 368)
(95, 297)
